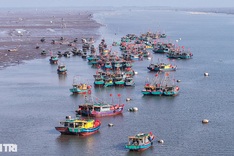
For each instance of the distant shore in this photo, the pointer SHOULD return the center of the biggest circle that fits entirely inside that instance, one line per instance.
(22, 30)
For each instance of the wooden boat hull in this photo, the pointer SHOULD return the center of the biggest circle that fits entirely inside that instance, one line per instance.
(170, 93)
(146, 92)
(158, 93)
(63, 130)
(101, 114)
(109, 84)
(76, 91)
(173, 68)
(98, 85)
(140, 147)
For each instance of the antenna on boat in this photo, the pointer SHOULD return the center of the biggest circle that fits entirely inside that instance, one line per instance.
(119, 95)
(112, 100)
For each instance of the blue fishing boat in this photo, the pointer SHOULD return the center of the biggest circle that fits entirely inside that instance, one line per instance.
(108, 65)
(54, 59)
(79, 87)
(129, 81)
(62, 69)
(171, 90)
(140, 142)
(108, 81)
(161, 49)
(169, 87)
(162, 67)
(179, 55)
(118, 78)
(98, 80)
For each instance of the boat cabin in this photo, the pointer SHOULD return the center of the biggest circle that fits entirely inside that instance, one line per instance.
(139, 139)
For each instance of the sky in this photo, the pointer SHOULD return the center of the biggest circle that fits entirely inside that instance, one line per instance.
(117, 3)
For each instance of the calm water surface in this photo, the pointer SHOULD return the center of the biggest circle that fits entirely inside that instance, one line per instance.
(34, 98)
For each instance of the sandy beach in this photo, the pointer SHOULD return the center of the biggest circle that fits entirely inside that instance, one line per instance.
(21, 32)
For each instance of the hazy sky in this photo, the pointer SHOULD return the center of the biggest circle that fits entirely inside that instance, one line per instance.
(74, 3)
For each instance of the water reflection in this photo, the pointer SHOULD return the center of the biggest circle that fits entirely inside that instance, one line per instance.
(69, 143)
(62, 77)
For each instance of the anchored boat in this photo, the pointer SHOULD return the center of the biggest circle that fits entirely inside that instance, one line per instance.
(99, 108)
(80, 88)
(139, 142)
(77, 126)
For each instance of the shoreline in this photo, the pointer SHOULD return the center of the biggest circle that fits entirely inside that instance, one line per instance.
(22, 30)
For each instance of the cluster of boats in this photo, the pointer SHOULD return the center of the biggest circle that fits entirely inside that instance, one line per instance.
(164, 86)
(115, 69)
(114, 78)
(172, 51)
(86, 123)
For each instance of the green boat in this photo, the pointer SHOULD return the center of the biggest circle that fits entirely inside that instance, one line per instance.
(140, 142)
(98, 80)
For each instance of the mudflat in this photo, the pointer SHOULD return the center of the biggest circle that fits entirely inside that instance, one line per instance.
(24, 33)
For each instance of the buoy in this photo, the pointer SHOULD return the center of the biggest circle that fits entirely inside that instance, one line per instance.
(160, 141)
(206, 74)
(128, 99)
(135, 109)
(178, 80)
(110, 124)
(136, 73)
(205, 121)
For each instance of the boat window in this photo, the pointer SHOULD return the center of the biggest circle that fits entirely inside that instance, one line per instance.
(97, 108)
(66, 124)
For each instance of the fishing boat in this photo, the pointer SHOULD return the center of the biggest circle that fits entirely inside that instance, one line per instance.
(108, 65)
(171, 90)
(148, 88)
(169, 87)
(118, 78)
(140, 142)
(179, 55)
(98, 80)
(129, 72)
(163, 67)
(128, 64)
(108, 81)
(43, 52)
(154, 87)
(99, 108)
(129, 81)
(62, 69)
(54, 59)
(80, 88)
(158, 90)
(66, 54)
(78, 126)
(161, 49)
